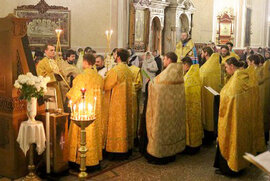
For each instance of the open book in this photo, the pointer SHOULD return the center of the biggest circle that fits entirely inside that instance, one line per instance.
(210, 89)
(262, 160)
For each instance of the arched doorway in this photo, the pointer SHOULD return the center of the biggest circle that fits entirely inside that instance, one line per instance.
(184, 23)
(156, 35)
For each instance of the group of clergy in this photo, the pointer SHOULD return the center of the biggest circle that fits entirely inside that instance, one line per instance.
(244, 112)
(178, 109)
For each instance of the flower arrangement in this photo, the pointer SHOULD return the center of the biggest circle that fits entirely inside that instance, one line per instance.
(31, 86)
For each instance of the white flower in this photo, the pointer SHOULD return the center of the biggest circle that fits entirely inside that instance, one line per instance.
(38, 87)
(30, 82)
(17, 85)
(29, 74)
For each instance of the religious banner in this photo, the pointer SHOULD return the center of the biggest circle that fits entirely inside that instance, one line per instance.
(42, 22)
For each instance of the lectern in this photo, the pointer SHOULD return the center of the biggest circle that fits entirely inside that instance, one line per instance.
(15, 59)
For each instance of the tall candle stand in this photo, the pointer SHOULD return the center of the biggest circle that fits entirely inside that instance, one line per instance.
(83, 116)
(31, 167)
(108, 57)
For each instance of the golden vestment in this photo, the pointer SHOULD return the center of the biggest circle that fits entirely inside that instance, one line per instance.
(118, 84)
(235, 55)
(187, 50)
(210, 74)
(238, 130)
(232, 54)
(67, 70)
(194, 130)
(224, 76)
(45, 68)
(165, 116)
(136, 94)
(93, 83)
(266, 67)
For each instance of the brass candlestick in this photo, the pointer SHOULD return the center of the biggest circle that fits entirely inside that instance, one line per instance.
(31, 167)
(83, 118)
(83, 149)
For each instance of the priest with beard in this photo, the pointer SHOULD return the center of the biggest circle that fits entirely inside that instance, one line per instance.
(100, 66)
(239, 129)
(194, 130)
(118, 107)
(210, 74)
(165, 115)
(185, 48)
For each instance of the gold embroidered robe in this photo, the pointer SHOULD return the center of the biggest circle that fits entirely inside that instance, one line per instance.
(194, 130)
(165, 116)
(67, 70)
(266, 67)
(93, 83)
(260, 78)
(210, 74)
(118, 84)
(136, 94)
(44, 68)
(257, 112)
(237, 128)
(187, 50)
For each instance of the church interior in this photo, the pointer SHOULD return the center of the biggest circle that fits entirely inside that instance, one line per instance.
(135, 90)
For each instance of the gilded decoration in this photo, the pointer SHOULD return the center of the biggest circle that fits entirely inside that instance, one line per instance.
(42, 22)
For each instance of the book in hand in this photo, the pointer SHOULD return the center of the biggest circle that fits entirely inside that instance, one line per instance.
(210, 89)
(262, 160)
(58, 77)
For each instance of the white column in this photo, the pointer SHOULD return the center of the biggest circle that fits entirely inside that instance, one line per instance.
(120, 24)
(266, 33)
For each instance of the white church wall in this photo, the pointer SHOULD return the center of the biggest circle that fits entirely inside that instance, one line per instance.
(202, 21)
(259, 16)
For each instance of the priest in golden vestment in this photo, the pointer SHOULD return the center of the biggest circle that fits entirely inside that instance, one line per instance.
(232, 53)
(118, 83)
(69, 72)
(225, 54)
(185, 48)
(93, 83)
(266, 67)
(48, 66)
(254, 60)
(238, 130)
(165, 117)
(136, 94)
(210, 74)
(194, 130)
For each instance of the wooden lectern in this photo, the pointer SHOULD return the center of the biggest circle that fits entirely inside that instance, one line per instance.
(15, 59)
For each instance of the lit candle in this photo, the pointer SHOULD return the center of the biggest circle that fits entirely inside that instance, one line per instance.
(89, 108)
(70, 105)
(74, 110)
(80, 110)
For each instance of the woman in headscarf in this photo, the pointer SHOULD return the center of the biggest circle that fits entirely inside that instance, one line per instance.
(149, 69)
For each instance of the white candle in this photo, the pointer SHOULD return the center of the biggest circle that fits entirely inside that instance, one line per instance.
(74, 111)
